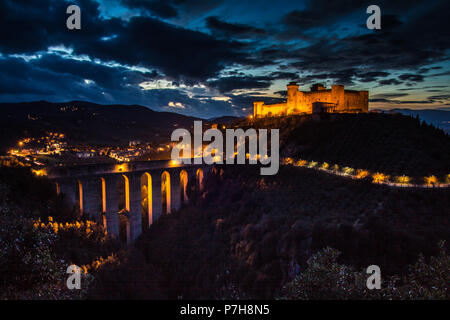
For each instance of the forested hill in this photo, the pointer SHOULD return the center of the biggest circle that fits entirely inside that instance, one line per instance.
(249, 234)
(390, 143)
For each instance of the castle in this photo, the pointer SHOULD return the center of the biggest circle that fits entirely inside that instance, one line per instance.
(319, 99)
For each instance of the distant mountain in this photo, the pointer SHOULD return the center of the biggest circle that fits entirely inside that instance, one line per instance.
(440, 118)
(85, 122)
(224, 119)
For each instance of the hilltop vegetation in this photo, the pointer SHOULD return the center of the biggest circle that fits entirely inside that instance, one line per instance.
(390, 143)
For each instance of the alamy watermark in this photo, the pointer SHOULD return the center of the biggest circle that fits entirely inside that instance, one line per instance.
(74, 20)
(184, 152)
(374, 20)
(74, 280)
(374, 280)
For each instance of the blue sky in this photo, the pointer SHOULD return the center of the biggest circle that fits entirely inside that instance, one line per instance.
(209, 58)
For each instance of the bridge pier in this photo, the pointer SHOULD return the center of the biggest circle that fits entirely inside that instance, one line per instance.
(175, 188)
(157, 199)
(68, 189)
(112, 205)
(91, 198)
(135, 214)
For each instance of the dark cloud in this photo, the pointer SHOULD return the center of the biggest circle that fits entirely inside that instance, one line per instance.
(319, 12)
(145, 41)
(405, 42)
(371, 76)
(228, 84)
(411, 77)
(180, 10)
(284, 75)
(177, 52)
(106, 77)
(389, 95)
(388, 82)
(388, 98)
(158, 8)
(444, 98)
(29, 26)
(344, 76)
(246, 100)
(402, 101)
(282, 93)
(234, 30)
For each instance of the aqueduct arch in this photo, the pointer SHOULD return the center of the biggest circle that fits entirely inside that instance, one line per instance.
(127, 198)
(199, 180)
(123, 189)
(79, 195)
(183, 186)
(146, 200)
(102, 195)
(165, 192)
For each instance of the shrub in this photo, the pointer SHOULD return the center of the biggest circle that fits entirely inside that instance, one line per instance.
(324, 278)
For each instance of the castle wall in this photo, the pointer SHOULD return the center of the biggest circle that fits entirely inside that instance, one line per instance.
(273, 110)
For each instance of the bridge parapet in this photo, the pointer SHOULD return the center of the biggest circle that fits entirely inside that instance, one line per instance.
(108, 168)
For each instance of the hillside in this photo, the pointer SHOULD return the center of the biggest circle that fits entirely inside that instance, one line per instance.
(250, 234)
(261, 231)
(438, 118)
(390, 143)
(85, 122)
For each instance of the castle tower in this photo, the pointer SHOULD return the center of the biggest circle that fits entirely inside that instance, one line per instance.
(257, 109)
(292, 89)
(338, 97)
(365, 100)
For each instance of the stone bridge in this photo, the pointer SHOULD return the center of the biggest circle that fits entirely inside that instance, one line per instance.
(127, 198)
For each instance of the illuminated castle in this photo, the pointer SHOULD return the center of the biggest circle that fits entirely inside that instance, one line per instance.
(319, 99)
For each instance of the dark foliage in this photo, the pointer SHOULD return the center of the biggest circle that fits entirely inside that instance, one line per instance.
(250, 234)
(128, 277)
(33, 196)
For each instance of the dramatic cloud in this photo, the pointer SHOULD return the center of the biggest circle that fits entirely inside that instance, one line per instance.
(212, 57)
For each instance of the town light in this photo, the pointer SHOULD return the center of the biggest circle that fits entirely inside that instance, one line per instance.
(39, 173)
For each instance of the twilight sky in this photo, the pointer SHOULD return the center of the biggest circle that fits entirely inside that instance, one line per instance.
(210, 58)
